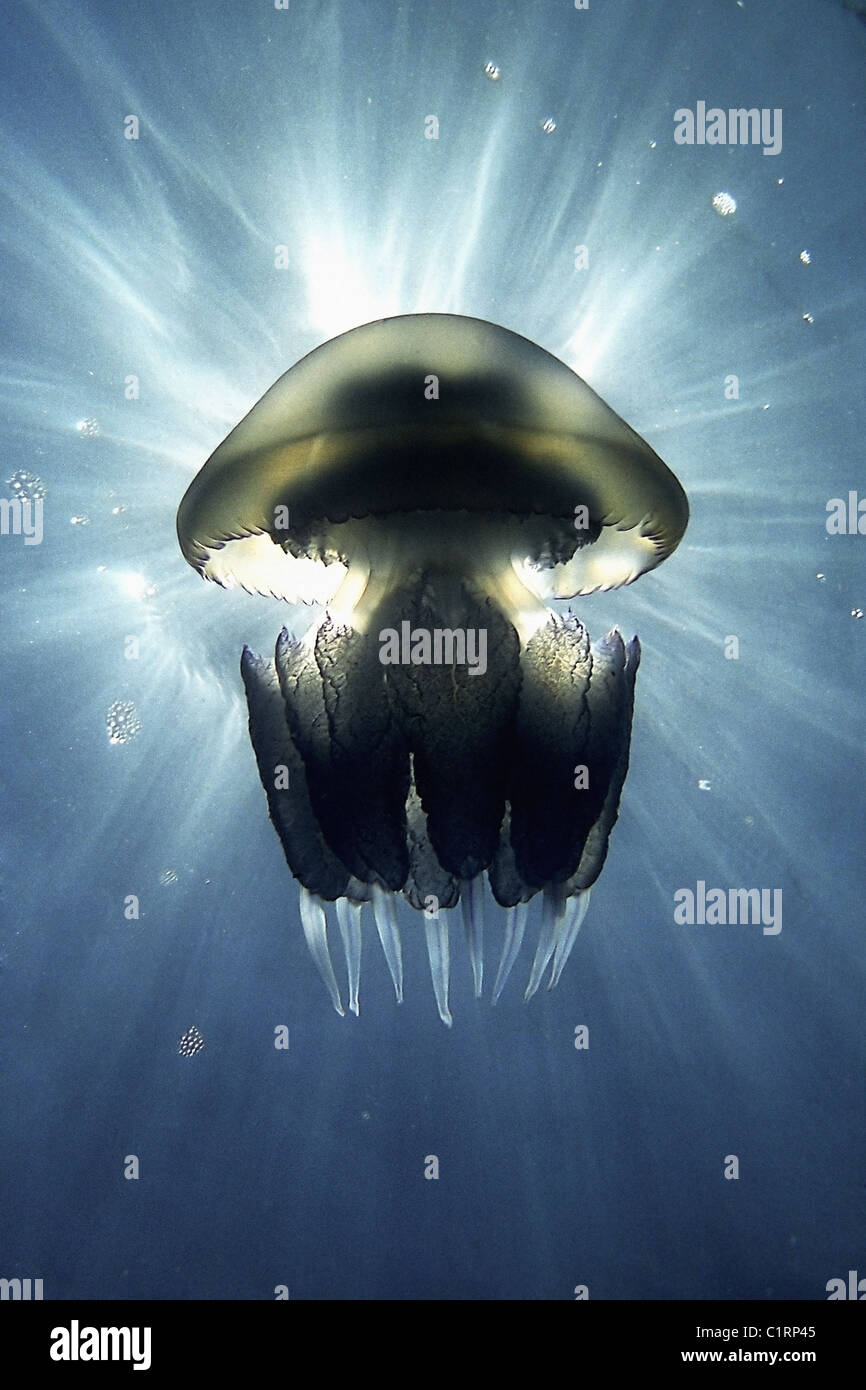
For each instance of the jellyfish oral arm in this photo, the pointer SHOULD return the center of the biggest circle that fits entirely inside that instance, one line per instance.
(464, 786)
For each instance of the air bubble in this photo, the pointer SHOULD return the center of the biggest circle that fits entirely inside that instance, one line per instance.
(724, 204)
(122, 722)
(26, 486)
(191, 1042)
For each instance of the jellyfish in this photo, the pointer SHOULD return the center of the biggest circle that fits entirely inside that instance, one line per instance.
(430, 482)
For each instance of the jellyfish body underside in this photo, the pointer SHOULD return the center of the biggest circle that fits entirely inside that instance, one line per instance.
(418, 779)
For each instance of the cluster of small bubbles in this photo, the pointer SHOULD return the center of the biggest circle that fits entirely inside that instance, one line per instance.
(806, 257)
(704, 785)
(26, 486)
(856, 612)
(821, 578)
(83, 520)
(724, 204)
(191, 1042)
(122, 722)
(492, 71)
(88, 429)
(548, 126)
(118, 510)
(807, 318)
(167, 877)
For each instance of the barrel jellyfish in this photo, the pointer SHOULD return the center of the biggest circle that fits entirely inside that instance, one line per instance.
(429, 482)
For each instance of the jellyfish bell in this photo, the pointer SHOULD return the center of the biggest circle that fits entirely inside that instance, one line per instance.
(430, 481)
(436, 419)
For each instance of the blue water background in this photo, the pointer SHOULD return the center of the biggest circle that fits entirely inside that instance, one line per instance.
(306, 128)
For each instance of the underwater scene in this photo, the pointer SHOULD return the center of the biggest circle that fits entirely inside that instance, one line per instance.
(432, 534)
